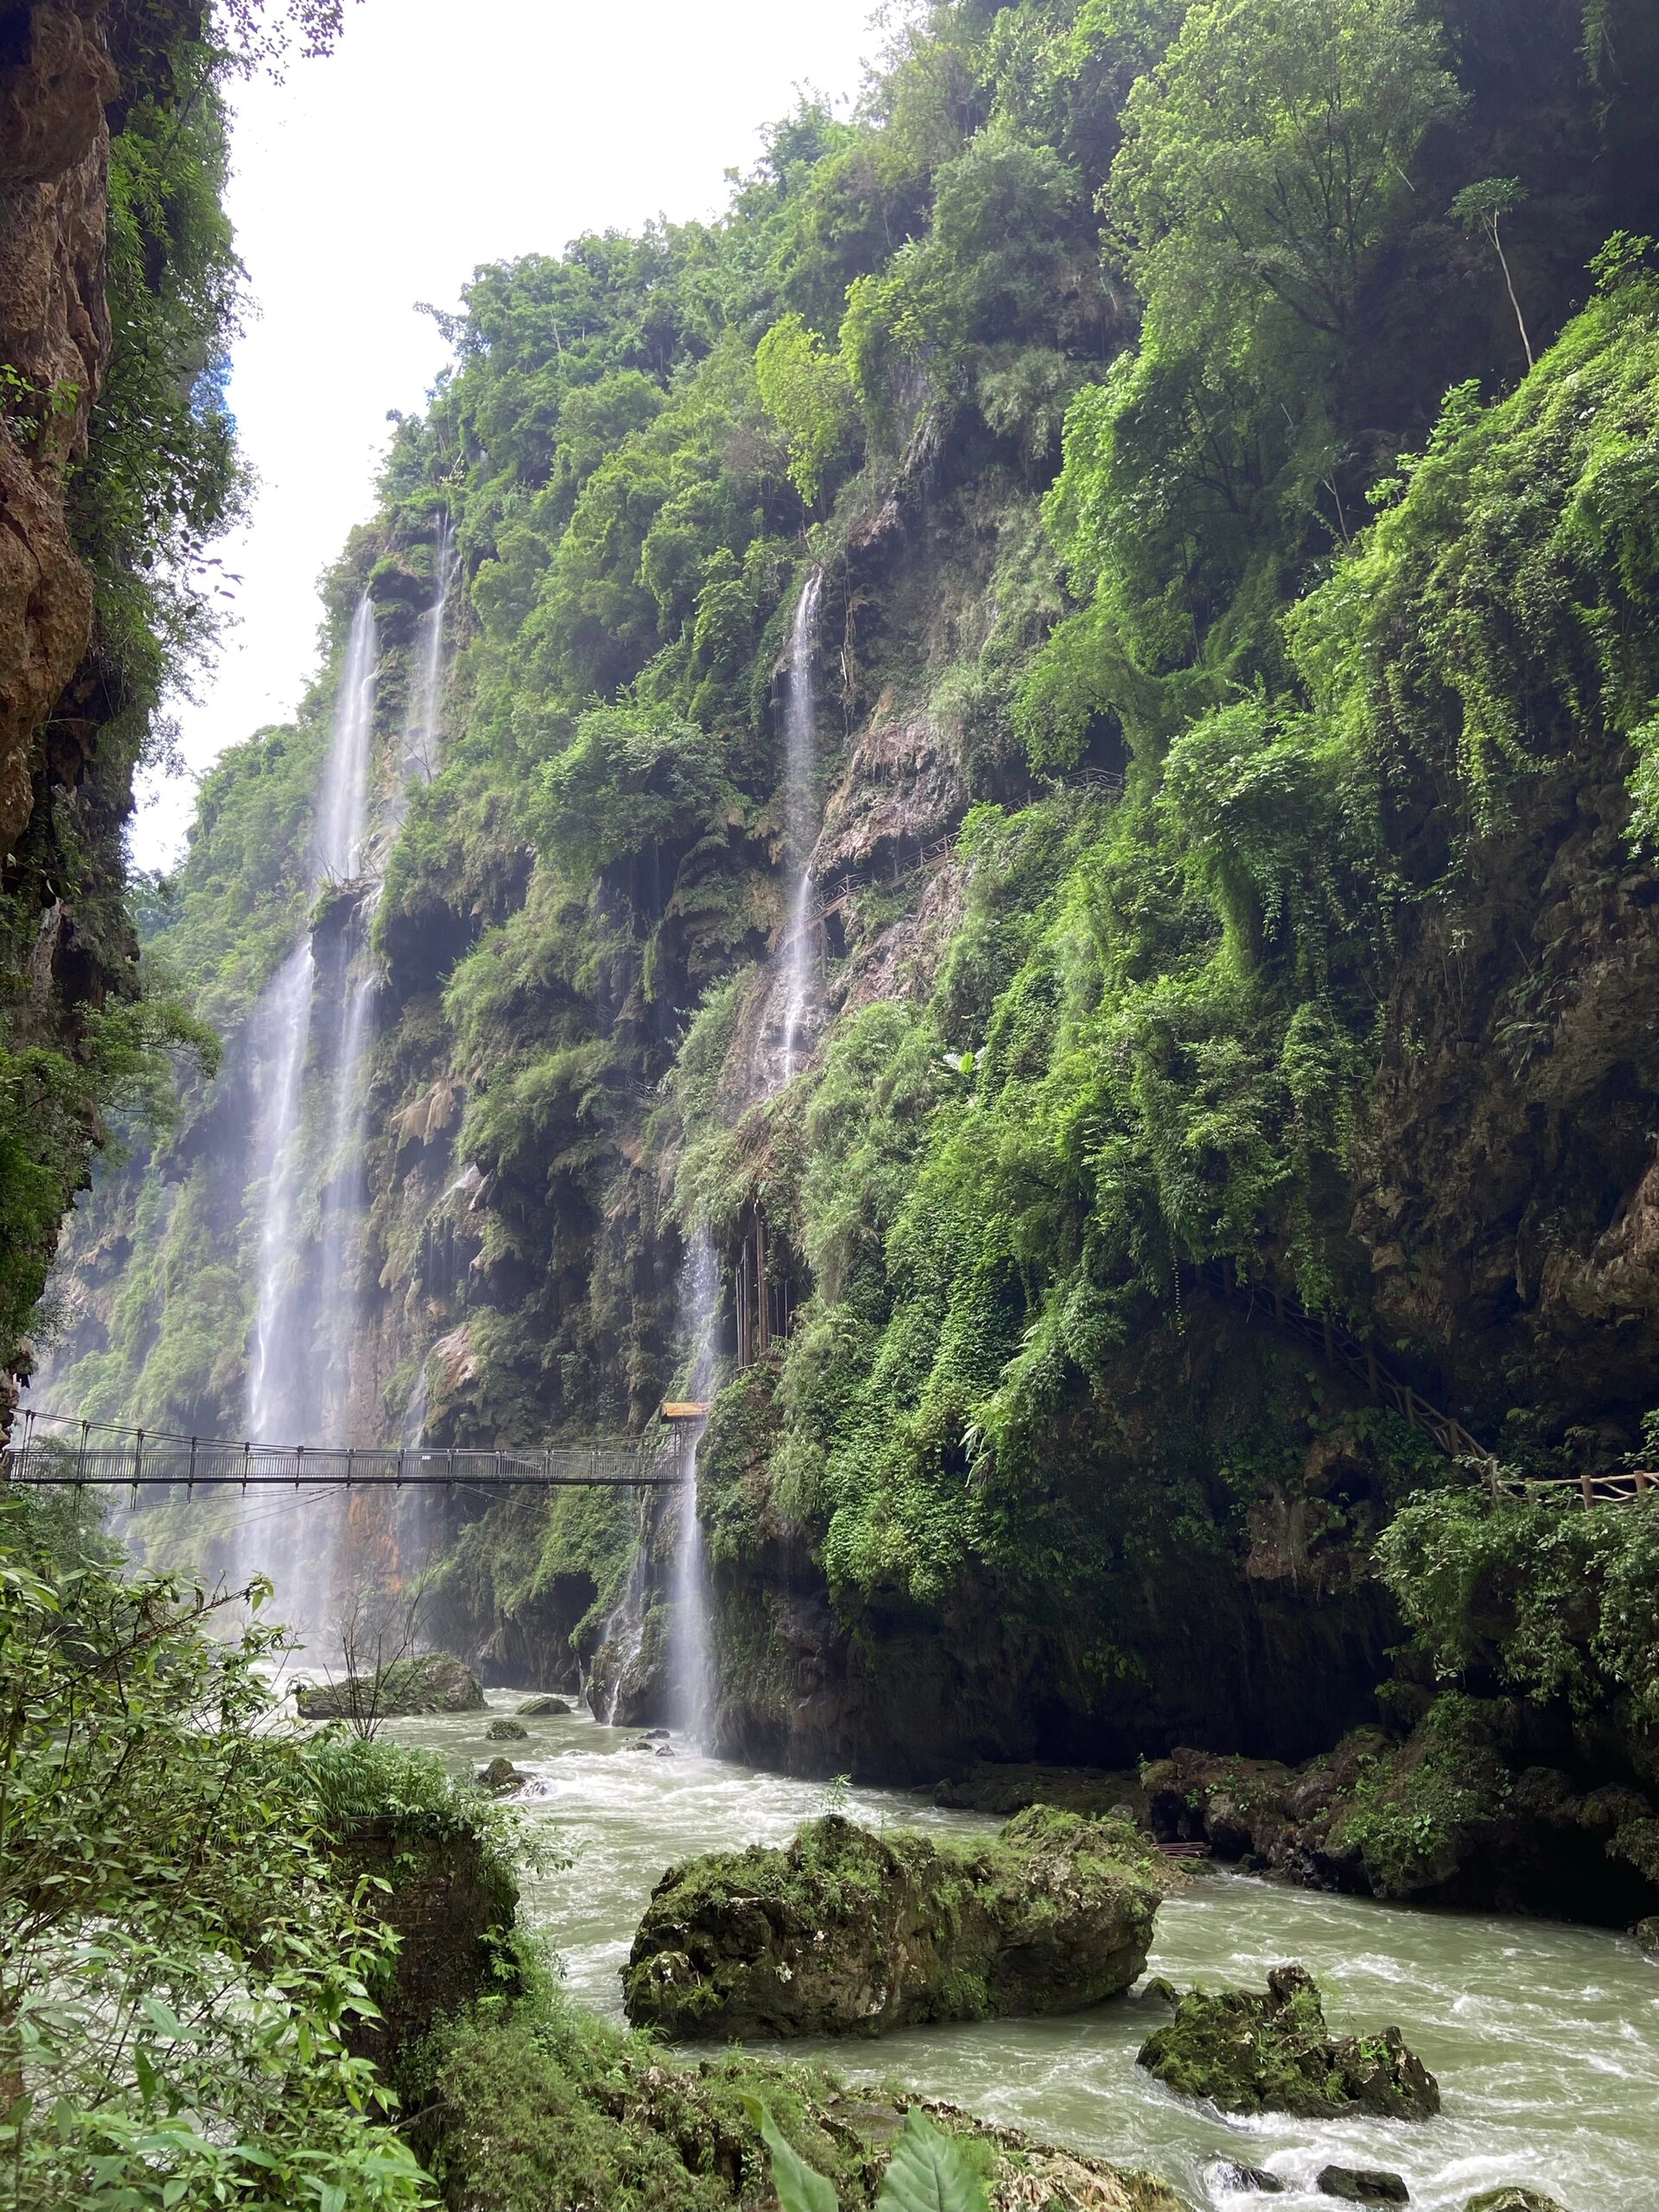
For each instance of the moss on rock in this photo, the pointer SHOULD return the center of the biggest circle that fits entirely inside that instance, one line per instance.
(435, 1681)
(549, 2108)
(844, 1932)
(1274, 2053)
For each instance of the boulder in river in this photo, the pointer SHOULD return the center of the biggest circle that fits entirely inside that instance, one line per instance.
(500, 1776)
(432, 1682)
(1274, 2053)
(848, 1933)
(1231, 2177)
(1359, 2185)
(544, 1708)
(505, 1731)
(1512, 2200)
(1646, 1933)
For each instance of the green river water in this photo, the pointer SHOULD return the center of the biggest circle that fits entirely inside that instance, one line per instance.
(1545, 2037)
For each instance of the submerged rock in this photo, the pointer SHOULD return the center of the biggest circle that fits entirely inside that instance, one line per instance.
(1513, 2200)
(434, 1682)
(505, 1731)
(845, 1932)
(544, 1708)
(1227, 2176)
(1357, 2185)
(500, 1776)
(1274, 2053)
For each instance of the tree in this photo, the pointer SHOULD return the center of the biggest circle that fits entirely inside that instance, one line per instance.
(807, 392)
(178, 1964)
(1481, 207)
(1268, 154)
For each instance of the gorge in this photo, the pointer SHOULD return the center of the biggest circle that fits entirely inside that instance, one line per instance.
(984, 832)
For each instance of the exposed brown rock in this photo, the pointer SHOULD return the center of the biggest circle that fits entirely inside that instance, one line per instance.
(55, 337)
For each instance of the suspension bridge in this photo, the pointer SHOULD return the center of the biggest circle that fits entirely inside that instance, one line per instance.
(59, 1452)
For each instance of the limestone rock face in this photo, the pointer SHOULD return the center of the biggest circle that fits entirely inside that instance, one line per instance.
(1274, 2053)
(847, 1932)
(435, 1681)
(55, 77)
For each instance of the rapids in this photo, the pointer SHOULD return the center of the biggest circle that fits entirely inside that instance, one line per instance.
(1545, 2037)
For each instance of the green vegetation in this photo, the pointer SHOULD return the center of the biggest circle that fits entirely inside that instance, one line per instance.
(181, 1971)
(845, 1932)
(1274, 2053)
(1230, 650)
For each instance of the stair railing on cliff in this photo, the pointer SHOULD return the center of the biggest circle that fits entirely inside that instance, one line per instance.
(60, 1450)
(1341, 1350)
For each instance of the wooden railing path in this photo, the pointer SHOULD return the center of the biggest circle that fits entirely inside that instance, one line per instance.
(1362, 1361)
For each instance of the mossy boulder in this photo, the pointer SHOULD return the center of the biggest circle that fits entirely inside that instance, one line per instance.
(544, 1708)
(500, 1777)
(507, 1731)
(435, 1681)
(1274, 2053)
(844, 1932)
(1363, 2185)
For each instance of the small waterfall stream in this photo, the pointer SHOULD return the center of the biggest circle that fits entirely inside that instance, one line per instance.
(690, 1674)
(800, 770)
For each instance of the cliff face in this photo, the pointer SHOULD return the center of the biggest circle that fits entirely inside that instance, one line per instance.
(972, 851)
(54, 335)
(116, 466)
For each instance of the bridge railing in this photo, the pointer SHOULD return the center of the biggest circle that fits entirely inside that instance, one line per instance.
(57, 1451)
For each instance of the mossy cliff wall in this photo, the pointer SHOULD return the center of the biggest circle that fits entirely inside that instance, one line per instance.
(1234, 843)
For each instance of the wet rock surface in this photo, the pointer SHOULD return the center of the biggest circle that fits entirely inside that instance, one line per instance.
(1478, 1822)
(507, 1731)
(847, 1932)
(544, 1708)
(435, 1681)
(500, 1777)
(1363, 2185)
(1513, 2200)
(1249, 2053)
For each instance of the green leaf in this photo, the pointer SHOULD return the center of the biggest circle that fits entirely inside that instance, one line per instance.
(929, 2172)
(799, 2189)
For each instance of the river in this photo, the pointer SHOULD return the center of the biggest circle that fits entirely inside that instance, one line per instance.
(1545, 2037)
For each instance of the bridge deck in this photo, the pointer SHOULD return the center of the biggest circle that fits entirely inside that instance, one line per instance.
(73, 1455)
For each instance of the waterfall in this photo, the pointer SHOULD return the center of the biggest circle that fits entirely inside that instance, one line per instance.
(419, 762)
(800, 765)
(305, 1295)
(282, 1031)
(690, 1674)
(342, 809)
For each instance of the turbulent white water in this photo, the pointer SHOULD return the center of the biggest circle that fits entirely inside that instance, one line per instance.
(1545, 2037)
(800, 770)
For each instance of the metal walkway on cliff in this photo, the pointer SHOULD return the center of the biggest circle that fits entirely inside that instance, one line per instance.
(1361, 1361)
(58, 1451)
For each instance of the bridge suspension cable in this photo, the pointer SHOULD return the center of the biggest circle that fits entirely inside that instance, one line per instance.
(58, 1450)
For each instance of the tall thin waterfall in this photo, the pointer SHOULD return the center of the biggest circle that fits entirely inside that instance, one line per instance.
(690, 1674)
(800, 765)
(342, 809)
(420, 747)
(282, 1032)
(301, 1325)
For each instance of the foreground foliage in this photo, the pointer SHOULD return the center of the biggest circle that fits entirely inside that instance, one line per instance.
(180, 1967)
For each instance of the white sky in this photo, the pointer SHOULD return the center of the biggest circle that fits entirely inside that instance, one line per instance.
(438, 137)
